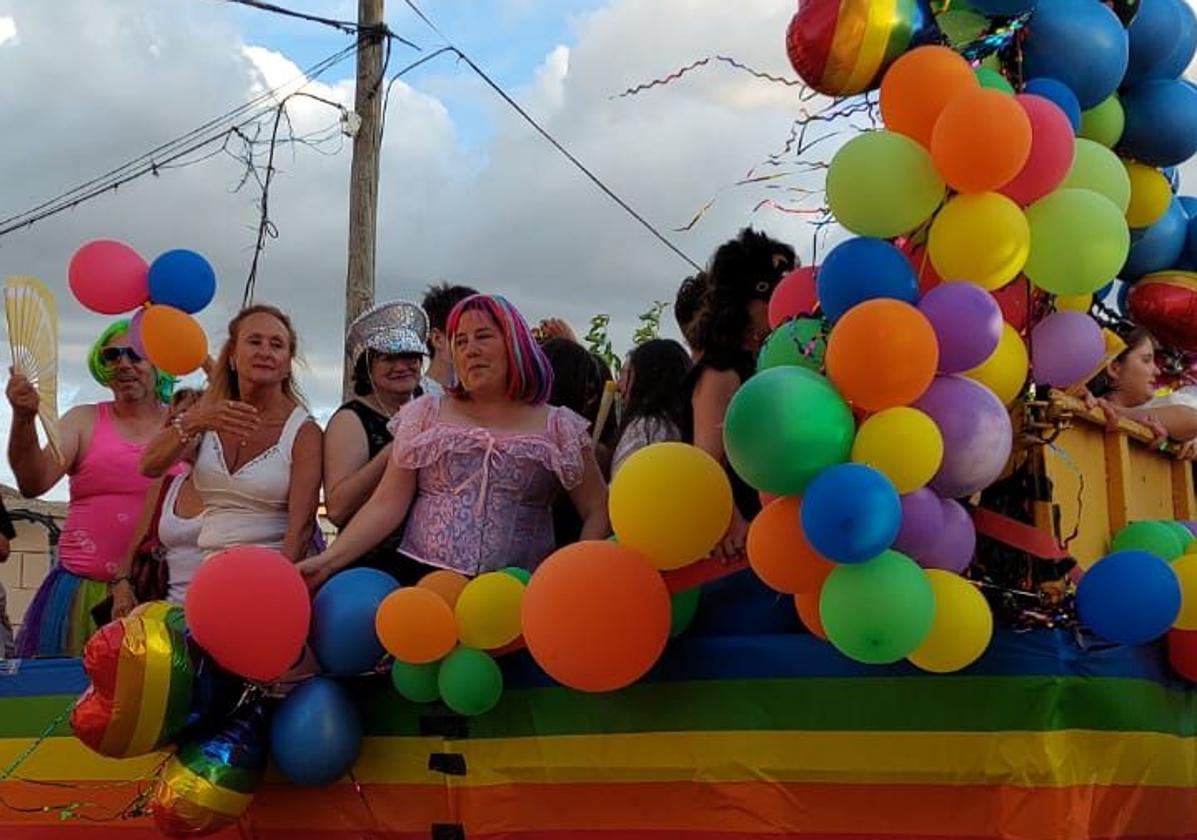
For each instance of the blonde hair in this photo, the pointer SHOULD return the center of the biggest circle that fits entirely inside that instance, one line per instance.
(223, 383)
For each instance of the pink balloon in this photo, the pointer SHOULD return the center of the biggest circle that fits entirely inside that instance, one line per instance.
(109, 277)
(794, 296)
(134, 334)
(248, 607)
(1053, 146)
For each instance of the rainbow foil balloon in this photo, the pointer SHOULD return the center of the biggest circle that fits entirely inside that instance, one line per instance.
(210, 782)
(1165, 304)
(843, 47)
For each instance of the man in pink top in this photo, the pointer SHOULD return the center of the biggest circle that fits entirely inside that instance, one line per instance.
(101, 445)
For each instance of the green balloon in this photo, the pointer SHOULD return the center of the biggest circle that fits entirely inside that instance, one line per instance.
(800, 341)
(1104, 122)
(1079, 242)
(522, 575)
(470, 681)
(878, 611)
(783, 427)
(1181, 532)
(883, 184)
(1153, 537)
(683, 606)
(416, 683)
(994, 80)
(1094, 167)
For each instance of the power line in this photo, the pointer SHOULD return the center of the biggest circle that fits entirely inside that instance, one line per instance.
(350, 27)
(553, 140)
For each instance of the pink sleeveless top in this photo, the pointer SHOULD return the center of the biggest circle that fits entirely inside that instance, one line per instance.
(107, 495)
(484, 500)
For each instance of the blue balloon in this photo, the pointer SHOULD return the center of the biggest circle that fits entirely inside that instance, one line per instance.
(1059, 93)
(1190, 253)
(182, 279)
(1120, 304)
(342, 634)
(862, 269)
(851, 513)
(1189, 203)
(1080, 42)
(1151, 37)
(1184, 46)
(1161, 122)
(1159, 246)
(1130, 597)
(316, 733)
(1003, 8)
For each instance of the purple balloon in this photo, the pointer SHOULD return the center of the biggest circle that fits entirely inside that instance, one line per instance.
(967, 321)
(1066, 349)
(134, 334)
(953, 551)
(1191, 525)
(977, 435)
(922, 522)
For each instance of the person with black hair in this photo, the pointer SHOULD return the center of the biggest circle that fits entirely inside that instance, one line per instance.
(729, 328)
(653, 397)
(387, 344)
(438, 302)
(686, 306)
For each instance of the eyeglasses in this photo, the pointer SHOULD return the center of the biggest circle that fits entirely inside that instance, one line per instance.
(113, 355)
(397, 358)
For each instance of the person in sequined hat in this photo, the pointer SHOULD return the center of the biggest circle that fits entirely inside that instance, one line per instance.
(388, 345)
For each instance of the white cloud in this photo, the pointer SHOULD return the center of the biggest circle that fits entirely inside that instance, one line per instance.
(8, 31)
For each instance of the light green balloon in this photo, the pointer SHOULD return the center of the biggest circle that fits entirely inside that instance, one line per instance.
(879, 611)
(1079, 242)
(1104, 122)
(883, 184)
(992, 79)
(1097, 168)
(801, 341)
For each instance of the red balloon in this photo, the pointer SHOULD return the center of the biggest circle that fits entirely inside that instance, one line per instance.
(109, 277)
(248, 607)
(1182, 653)
(928, 277)
(1053, 147)
(794, 297)
(1166, 305)
(1015, 302)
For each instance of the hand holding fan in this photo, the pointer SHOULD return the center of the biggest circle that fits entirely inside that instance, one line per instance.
(33, 337)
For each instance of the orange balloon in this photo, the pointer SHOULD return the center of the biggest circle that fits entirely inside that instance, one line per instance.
(919, 85)
(173, 340)
(807, 604)
(883, 353)
(596, 616)
(415, 625)
(445, 583)
(779, 553)
(981, 140)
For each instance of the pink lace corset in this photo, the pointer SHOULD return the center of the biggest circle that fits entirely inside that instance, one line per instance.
(484, 500)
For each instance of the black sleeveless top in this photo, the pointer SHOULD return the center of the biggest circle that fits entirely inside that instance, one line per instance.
(748, 501)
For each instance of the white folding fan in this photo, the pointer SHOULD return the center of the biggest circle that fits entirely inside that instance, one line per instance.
(33, 337)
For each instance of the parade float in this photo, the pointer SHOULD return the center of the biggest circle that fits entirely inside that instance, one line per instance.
(969, 607)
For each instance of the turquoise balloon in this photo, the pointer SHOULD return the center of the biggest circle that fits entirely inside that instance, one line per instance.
(683, 607)
(783, 427)
(522, 575)
(801, 341)
(1079, 242)
(877, 612)
(1181, 532)
(417, 683)
(992, 79)
(470, 681)
(883, 184)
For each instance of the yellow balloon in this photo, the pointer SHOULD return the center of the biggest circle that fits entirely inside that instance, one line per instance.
(1074, 303)
(1005, 372)
(1151, 194)
(962, 628)
(672, 502)
(983, 238)
(1186, 572)
(903, 444)
(488, 610)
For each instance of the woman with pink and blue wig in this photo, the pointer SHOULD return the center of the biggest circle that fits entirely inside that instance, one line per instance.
(475, 472)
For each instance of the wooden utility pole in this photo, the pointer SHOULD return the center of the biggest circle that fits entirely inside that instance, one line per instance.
(363, 178)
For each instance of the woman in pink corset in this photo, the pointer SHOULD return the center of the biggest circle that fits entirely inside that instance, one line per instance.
(475, 472)
(101, 445)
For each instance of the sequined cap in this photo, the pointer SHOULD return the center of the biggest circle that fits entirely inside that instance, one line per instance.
(396, 327)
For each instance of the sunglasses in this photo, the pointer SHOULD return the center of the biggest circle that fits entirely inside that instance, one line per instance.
(113, 355)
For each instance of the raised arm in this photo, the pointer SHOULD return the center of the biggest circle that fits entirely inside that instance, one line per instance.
(36, 470)
(350, 474)
(179, 439)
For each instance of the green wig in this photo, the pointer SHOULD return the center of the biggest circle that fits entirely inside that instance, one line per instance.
(164, 383)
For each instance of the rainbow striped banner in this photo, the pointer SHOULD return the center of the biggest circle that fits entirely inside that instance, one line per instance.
(730, 737)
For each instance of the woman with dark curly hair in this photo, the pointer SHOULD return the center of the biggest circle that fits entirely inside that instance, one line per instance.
(686, 306)
(729, 328)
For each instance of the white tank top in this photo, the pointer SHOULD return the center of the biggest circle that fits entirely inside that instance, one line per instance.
(248, 507)
(179, 539)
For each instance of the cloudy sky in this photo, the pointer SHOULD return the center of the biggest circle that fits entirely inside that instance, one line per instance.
(469, 193)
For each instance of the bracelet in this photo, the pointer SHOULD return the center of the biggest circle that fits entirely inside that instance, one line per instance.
(177, 423)
(122, 579)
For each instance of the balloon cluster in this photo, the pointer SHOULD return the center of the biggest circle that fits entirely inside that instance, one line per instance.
(111, 278)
